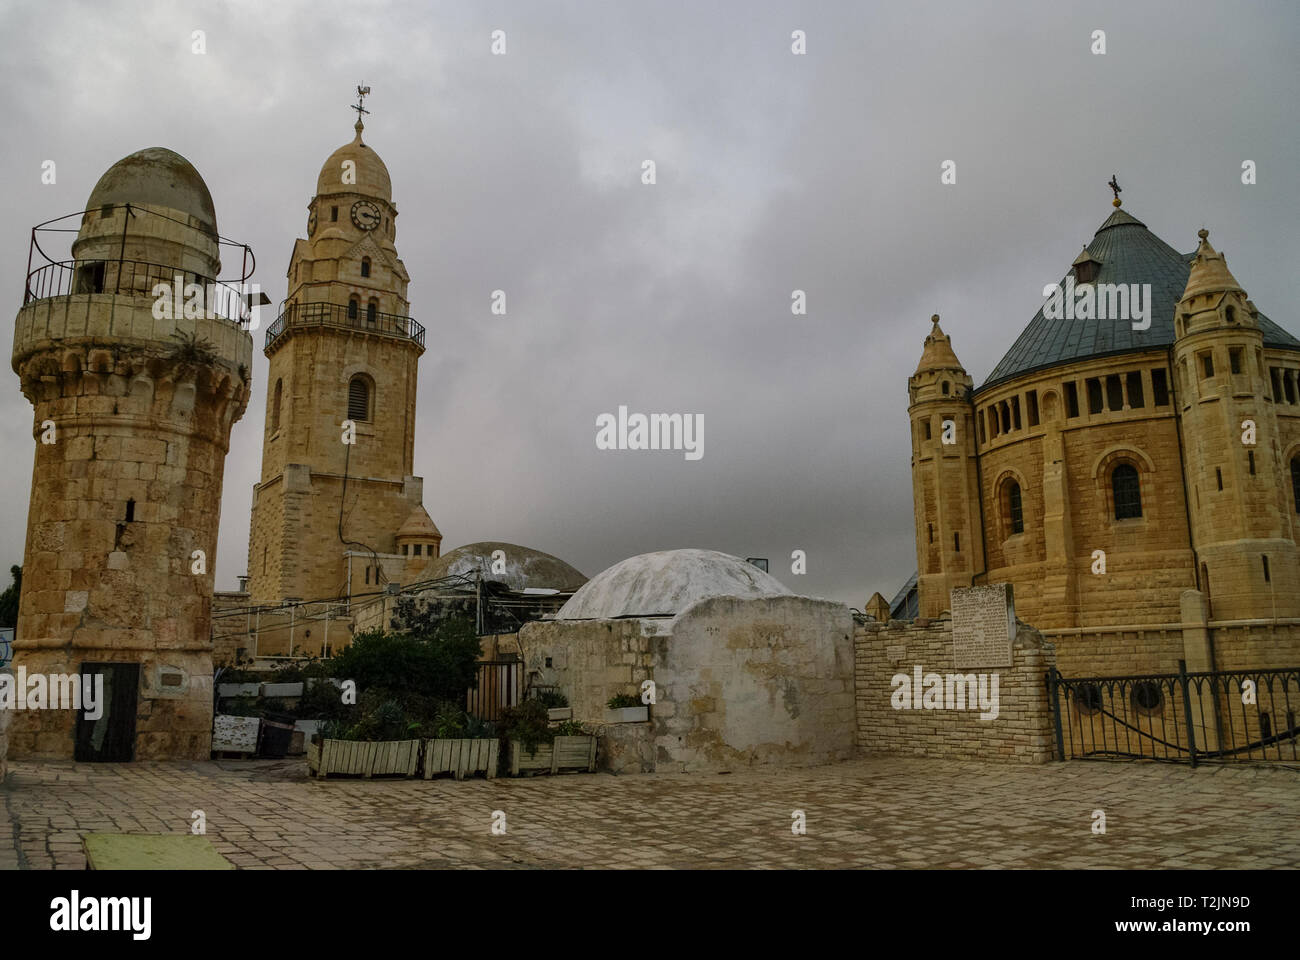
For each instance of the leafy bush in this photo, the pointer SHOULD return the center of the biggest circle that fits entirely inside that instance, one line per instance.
(621, 700)
(433, 660)
(570, 728)
(552, 699)
(528, 723)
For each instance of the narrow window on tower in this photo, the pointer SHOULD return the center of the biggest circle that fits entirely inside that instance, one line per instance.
(1015, 413)
(1250, 458)
(1015, 511)
(1295, 482)
(1207, 364)
(1289, 384)
(1127, 492)
(945, 388)
(1135, 398)
(956, 542)
(365, 266)
(983, 435)
(372, 311)
(334, 213)
(1218, 475)
(130, 511)
(1114, 393)
(353, 305)
(417, 549)
(275, 405)
(358, 398)
(1160, 388)
(1264, 557)
(1094, 394)
(926, 423)
(367, 576)
(1071, 399)
(1234, 358)
(1031, 407)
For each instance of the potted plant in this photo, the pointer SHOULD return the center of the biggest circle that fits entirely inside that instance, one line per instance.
(626, 708)
(534, 745)
(461, 745)
(557, 704)
(383, 742)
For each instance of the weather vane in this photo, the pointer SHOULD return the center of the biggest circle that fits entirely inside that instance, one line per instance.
(360, 105)
(1114, 185)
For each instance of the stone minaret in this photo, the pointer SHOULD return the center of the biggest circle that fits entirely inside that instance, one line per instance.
(945, 486)
(1237, 492)
(343, 349)
(139, 407)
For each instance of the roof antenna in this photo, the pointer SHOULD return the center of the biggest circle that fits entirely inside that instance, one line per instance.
(1114, 185)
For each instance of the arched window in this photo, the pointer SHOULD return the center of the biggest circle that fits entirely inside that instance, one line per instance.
(372, 309)
(1128, 493)
(275, 405)
(365, 266)
(1295, 481)
(1014, 507)
(353, 306)
(358, 398)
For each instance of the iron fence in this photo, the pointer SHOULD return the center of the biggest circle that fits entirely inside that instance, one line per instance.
(1212, 716)
(356, 317)
(139, 278)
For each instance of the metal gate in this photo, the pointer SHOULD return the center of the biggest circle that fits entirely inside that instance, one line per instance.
(1214, 716)
(496, 689)
(110, 738)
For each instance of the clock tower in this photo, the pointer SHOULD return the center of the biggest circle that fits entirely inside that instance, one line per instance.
(338, 447)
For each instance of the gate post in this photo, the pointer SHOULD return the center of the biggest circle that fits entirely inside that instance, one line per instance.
(1053, 691)
(1187, 711)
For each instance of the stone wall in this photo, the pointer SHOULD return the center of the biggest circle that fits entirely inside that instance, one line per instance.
(1022, 731)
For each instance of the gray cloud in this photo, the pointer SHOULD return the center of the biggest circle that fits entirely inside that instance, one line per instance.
(775, 172)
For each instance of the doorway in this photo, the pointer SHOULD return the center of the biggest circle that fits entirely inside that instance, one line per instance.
(111, 737)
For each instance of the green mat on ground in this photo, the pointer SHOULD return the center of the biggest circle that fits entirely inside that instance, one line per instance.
(152, 851)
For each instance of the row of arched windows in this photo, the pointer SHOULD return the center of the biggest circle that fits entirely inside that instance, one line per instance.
(1126, 494)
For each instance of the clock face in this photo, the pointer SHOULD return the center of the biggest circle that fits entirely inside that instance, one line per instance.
(365, 215)
(311, 223)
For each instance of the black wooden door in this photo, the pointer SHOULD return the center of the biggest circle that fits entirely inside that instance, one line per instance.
(111, 737)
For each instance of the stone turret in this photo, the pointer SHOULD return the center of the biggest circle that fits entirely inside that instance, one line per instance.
(1242, 526)
(134, 403)
(945, 486)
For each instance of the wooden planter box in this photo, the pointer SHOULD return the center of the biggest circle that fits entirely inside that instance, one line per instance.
(627, 715)
(564, 753)
(461, 757)
(364, 758)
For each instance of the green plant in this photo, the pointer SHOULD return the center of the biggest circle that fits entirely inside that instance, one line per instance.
(570, 728)
(552, 699)
(449, 722)
(435, 660)
(621, 700)
(527, 723)
(192, 351)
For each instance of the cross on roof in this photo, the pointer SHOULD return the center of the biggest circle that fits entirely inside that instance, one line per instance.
(1114, 185)
(360, 105)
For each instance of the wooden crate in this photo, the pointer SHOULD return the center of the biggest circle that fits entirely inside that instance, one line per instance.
(564, 753)
(461, 757)
(363, 758)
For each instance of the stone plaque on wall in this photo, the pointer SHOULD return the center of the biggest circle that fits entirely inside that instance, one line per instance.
(983, 626)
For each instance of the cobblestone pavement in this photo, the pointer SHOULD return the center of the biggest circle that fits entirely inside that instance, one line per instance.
(883, 812)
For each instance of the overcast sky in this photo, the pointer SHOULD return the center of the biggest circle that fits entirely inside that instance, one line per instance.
(775, 172)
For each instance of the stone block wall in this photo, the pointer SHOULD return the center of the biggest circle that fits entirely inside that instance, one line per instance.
(1022, 731)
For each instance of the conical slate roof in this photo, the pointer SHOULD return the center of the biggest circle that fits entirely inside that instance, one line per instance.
(1128, 253)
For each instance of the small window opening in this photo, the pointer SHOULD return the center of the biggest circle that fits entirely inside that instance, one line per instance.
(1234, 358)
(1218, 475)
(334, 213)
(1264, 557)
(1136, 399)
(1160, 388)
(130, 511)
(365, 266)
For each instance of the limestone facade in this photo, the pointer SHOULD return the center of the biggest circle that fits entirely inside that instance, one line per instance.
(344, 349)
(1138, 458)
(130, 486)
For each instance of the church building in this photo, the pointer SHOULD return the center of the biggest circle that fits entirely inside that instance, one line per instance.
(1129, 475)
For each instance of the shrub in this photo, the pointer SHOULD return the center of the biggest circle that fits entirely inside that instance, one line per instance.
(552, 699)
(621, 700)
(527, 723)
(432, 660)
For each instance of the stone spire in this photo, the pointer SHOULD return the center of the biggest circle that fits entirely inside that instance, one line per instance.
(937, 353)
(1210, 272)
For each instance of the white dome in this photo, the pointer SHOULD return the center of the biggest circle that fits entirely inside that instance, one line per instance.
(664, 584)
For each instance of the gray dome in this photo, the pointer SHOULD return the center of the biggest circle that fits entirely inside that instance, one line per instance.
(156, 176)
(664, 584)
(525, 568)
